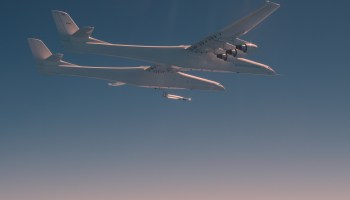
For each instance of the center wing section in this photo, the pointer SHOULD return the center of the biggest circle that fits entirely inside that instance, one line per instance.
(232, 32)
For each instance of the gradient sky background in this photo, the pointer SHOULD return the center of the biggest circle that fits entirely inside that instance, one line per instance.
(264, 138)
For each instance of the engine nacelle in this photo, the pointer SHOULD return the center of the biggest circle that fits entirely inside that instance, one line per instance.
(247, 47)
(221, 53)
(238, 50)
(222, 56)
(235, 53)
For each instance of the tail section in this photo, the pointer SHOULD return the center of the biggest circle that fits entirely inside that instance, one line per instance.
(46, 61)
(64, 23)
(67, 27)
(73, 38)
(42, 53)
(39, 49)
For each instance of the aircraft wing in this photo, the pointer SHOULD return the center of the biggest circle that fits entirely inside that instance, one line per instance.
(232, 32)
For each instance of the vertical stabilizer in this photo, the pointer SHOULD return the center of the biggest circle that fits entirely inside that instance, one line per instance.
(47, 62)
(39, 49)
(64, 23)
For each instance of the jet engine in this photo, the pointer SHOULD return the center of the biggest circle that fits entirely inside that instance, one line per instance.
(237, 50)
(221, 53)
(222, 56)
(247, 47)
(235, 53)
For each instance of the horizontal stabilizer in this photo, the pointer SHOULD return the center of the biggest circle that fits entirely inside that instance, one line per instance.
(57, 57)
(84, 32)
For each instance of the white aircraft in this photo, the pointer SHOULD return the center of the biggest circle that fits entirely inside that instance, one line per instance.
(143, 76)
(222, 51)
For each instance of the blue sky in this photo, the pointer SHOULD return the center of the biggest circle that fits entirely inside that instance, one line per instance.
(263, 138)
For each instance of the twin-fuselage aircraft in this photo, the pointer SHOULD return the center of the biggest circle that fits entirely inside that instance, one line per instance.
(222, 51)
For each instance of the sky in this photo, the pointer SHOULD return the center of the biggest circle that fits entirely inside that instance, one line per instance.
(264, 138)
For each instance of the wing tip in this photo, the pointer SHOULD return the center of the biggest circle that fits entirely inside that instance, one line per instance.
(273, 4)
